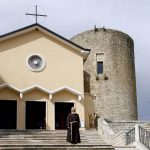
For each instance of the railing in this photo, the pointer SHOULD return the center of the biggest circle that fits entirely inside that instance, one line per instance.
(144, 137)
(138, 134)
(130, 136)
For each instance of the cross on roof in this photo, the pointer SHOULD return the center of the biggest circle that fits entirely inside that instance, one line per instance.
(36, 14)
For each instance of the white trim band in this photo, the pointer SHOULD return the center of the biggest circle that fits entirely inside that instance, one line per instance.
(43, 90)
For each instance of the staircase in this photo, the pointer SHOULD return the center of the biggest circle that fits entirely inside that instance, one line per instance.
(56, 140)
(125, 135)
(146, 126)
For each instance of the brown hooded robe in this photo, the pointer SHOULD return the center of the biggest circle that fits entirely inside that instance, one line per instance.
(73, 124)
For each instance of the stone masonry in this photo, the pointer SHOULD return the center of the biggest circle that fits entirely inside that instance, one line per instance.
(114, 91)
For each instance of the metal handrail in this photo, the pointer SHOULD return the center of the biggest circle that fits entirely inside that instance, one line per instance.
(144, 136)
(130, 136)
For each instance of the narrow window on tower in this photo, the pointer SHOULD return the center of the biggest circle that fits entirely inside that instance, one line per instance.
(100, 67)
(100, 63)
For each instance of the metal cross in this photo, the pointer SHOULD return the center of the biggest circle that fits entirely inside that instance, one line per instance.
(36, 14)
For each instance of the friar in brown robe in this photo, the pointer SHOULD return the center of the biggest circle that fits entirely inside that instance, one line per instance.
(73, 125)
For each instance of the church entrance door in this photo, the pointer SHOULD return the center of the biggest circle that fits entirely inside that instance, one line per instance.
(61, 113)
(35, 114)
(8, 114)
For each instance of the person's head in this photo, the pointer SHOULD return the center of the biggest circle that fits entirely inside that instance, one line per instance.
(73, 109)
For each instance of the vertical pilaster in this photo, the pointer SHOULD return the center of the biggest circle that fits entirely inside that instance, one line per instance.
(20, 114)
(50, 125)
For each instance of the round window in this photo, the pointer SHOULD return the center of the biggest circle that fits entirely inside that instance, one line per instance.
(36, 62)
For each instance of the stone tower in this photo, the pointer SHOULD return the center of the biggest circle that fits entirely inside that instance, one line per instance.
(111, 72)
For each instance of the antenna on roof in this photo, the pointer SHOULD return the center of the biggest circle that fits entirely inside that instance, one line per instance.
(95, 28)
(104, 28)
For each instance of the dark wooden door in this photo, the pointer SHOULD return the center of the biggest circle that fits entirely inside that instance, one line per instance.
(61, 113)
(35, 115)
(8, 114)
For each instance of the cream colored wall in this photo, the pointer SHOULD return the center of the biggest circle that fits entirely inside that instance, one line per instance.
(64, 66)
(35, 94)
(8, 94)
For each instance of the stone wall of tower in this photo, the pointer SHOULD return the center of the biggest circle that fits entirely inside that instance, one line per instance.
(114, 91)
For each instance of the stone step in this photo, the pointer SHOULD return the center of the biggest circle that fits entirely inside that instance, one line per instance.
(57, 147)
(47, 141)
(41, 134)
(49, 144)
(55, 140)
(32, 142)
(37, 136)
(125, 148)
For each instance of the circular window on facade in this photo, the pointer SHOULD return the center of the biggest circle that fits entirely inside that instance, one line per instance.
(36, 62)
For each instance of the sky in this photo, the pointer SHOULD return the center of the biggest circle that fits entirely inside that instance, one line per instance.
(70, 17)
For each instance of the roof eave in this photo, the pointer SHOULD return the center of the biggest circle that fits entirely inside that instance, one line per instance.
(18, 32)
(85, 53)
(42, 29)
(62, 39)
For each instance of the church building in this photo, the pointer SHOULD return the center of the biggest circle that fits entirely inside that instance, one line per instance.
(43, 75)
(41, 78)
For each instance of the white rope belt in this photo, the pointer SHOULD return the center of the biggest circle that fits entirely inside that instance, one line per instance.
(71, 127)
(73, 122)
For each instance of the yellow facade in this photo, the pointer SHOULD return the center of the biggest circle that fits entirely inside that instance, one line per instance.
(60, 81)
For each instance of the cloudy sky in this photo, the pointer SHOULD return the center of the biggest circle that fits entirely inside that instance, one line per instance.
(70, 17)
